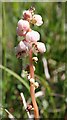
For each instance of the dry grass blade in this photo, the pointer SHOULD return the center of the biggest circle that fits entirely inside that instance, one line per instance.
(24, 103)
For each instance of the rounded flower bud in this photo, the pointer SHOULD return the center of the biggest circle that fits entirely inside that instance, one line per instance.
(32, 36)
(28, 76)
(35, 59)
(34, 67)
(41, 47)
(23, 25)
(37, 20)
(32, 80)
(36, 84)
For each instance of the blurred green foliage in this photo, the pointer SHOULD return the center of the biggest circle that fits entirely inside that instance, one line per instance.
(52, 103)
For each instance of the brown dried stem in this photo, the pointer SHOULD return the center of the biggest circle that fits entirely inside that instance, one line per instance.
(32, 88)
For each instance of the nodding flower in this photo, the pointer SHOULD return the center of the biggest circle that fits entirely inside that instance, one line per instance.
(41, 47)
(37, 20)
(32, 36)
(21, 49)
(23, 25)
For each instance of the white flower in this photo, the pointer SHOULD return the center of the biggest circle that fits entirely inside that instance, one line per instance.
(40, 47)
(23, 25)
(38, 19)
(32, 36)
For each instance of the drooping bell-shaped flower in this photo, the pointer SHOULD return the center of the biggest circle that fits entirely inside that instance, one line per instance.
(21, 49)
(37, 19)
(40, 47)
(32, 36)
(23, 25)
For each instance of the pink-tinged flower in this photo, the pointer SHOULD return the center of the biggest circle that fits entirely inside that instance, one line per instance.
(27, 15)
(32, 36)
(23, 25)
(20, 32)
(37, 19)
(41, 47)
(29, 45)
(21, 49)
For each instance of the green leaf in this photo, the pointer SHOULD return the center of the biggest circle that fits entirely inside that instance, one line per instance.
(15, 75)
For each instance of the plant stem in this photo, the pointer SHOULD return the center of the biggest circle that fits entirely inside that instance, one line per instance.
(32, 88)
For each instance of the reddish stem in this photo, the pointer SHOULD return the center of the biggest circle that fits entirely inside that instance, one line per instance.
(32, 88)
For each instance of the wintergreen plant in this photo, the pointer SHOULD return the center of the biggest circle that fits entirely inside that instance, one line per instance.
(30, 45)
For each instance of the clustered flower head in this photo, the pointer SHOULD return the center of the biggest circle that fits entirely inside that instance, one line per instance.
(30, 37)
(30, 45)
